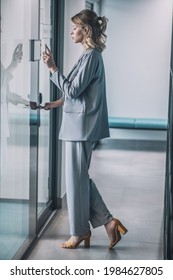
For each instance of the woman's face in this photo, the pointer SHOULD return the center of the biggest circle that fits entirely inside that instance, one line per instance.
(77, 33)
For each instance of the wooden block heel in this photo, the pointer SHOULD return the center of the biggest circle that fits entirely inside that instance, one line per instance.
(87, 242)
(122, 229)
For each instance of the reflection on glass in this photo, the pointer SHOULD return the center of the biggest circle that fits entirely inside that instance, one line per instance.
(14, 127)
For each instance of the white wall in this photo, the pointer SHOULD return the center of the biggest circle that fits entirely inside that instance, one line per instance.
(137, 57)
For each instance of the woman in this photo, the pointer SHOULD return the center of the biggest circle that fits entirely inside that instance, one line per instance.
(85, 120)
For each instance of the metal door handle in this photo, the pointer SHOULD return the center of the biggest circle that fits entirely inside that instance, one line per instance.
(40, 97)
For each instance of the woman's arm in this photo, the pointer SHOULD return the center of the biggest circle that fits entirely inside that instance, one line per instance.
(54, 104)
(86, 73)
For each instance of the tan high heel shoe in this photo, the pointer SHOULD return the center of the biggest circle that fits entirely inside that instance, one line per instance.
(74, 241)
(118, 228)
(121, 228)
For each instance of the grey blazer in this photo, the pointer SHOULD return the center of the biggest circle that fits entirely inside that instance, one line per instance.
(85, 115)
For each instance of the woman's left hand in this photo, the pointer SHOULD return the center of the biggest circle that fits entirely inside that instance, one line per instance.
(49, 60)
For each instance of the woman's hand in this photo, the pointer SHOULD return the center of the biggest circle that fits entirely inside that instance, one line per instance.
(52, 105)
(49, 60)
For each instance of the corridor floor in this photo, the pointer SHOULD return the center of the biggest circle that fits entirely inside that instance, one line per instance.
(130, 176)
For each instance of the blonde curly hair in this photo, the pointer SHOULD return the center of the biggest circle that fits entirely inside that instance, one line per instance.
(96, 37)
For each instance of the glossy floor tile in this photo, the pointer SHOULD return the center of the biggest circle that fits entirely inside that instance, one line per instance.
(130, 177)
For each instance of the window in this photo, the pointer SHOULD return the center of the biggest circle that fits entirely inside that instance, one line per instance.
(89, 5)
(94, 5)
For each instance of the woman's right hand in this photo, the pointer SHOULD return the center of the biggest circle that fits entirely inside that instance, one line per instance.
(52, 105)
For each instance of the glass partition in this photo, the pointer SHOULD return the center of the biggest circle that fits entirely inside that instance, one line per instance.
(14, 126)
(27, 136)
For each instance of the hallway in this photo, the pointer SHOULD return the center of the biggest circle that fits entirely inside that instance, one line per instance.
(130, 176)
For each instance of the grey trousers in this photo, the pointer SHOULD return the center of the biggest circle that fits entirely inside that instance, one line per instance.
(84, 202)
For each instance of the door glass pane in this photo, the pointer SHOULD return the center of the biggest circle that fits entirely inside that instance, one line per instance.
(14, 126)
(44, 88)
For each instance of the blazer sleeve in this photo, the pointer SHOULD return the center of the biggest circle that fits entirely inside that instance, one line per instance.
(86, 73)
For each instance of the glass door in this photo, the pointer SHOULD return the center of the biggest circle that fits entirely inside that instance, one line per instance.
(25, 191)
(14, 126)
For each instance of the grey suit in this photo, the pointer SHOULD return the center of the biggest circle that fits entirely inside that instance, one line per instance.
(85, 119)
(85, 114)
